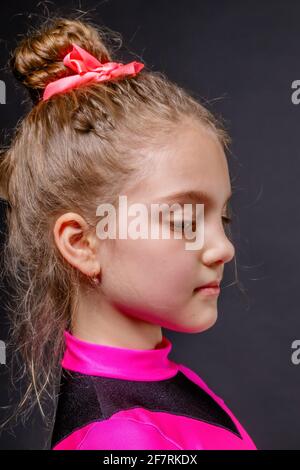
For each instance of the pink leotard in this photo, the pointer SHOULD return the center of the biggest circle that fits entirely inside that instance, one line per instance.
(115, 398)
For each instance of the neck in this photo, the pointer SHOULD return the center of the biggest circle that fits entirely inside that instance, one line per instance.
(99, 321)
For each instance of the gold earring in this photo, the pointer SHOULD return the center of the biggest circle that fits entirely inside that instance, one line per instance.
(96, 279)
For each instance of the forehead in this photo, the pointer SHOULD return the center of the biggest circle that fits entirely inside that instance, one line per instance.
(193, 160)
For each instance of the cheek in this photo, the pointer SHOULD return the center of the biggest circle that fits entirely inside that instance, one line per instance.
(157, 272)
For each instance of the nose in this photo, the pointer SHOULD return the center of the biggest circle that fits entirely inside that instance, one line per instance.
(217, 248)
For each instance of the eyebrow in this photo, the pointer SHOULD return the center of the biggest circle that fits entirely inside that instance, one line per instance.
(190, 196)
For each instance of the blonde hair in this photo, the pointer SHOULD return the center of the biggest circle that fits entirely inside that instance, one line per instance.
(70, 153)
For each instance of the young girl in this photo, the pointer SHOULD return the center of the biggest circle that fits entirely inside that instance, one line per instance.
(89, 311)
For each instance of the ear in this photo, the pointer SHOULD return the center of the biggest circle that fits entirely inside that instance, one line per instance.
(77, 245)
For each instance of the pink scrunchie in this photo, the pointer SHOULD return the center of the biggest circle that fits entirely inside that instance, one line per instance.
(88, 69)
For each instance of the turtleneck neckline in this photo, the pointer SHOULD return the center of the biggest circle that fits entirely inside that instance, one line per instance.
(123, 363)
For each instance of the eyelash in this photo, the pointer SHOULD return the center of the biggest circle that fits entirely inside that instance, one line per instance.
(226, 220)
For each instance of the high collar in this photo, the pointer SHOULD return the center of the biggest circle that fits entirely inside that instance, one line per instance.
(124, 363)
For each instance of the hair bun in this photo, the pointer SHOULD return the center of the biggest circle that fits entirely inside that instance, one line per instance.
(38, 58)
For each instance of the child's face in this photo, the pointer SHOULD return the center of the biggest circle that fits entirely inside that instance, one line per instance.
(155, 279)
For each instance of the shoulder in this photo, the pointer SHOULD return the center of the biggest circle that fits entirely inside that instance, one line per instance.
(192, 375)
(201, 383)
(120, 433)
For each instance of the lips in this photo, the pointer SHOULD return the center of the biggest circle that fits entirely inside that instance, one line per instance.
(210, 289)
(210, 284)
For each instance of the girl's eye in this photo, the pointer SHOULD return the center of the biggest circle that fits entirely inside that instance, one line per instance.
(226, 220)
(180, 224)
(227, 226)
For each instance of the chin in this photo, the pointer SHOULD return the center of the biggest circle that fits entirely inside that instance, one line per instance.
(202, 323)
(205, 322)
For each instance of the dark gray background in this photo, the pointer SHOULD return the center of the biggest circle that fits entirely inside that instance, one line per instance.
(242, 57)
